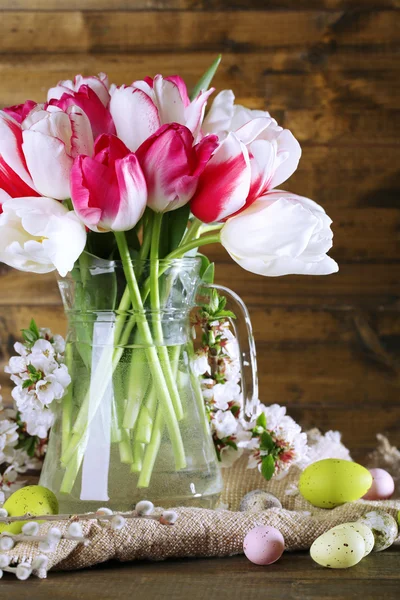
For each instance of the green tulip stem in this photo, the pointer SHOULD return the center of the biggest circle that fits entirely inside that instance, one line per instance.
(151, 354)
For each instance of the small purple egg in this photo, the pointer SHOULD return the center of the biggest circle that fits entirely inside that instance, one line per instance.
(382, 485)
(264, 545)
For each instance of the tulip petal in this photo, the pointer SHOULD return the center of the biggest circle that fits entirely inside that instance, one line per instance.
(98, 115)
(194, 113)
(94, 193)
(48, 163)
(224, 185)
(181, 85)
(288, 266)
(168, 99)
(221, 113)
(14, 175)
(82, 136)
(98, 84)
(133, 193)
(20, 111)
(135, 116)
(64, 232)
(288, 156)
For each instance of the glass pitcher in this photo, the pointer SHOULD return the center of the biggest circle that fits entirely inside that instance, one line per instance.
(133, 423)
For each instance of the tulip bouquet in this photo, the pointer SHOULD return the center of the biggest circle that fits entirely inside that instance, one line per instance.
(137, 175)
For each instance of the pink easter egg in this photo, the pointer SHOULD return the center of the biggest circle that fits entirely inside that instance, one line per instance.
(382, 485)
(263, 545)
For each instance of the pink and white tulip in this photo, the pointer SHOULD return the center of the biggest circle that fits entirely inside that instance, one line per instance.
(140, 109)
(225, 182)
(40, 235)
(15, 179)
(172, 165)
(90, 103)
(274, 152)
(281, 234)
(52, 139)
(109, 190)
(99, 85)
(20, 111)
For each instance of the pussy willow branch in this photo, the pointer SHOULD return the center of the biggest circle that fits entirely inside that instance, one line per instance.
(85, 517)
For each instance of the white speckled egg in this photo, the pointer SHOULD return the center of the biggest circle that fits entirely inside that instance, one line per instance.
(382, 486)
(338, 549)
(259, 500)
(263, 545)
(383, 527)
(363, 530)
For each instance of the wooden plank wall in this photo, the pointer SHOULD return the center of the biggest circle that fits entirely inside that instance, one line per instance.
(329, 347)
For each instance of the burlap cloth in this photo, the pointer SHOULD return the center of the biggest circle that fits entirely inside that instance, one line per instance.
(204, 533)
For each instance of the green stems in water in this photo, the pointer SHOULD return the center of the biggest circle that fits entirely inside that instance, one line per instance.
(153, 360)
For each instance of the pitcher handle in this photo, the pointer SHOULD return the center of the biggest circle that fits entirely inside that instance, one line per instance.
(247, 348)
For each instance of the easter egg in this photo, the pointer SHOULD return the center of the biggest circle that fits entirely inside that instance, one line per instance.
(338, 548)
(259, 500)
(383, 527)
(332, 481)
(263, 545)
(363, 530)
(382, 485)
(32, 499)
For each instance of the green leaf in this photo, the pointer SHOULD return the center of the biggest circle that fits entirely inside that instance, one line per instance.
(262, 421)
(205, 262)
(226, 314)
(27, 383)
(28, 336)
(209, 273)
(266, 442)
(177, 224)
(204, 82)
(267, 467)
(34, 328)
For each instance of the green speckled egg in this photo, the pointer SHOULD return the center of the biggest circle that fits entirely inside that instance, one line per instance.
(363, 530)
(32, 499)
(383, 527)
(332, 481)
(338, 549)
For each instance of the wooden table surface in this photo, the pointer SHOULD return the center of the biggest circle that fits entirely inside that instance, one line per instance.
(295, 576)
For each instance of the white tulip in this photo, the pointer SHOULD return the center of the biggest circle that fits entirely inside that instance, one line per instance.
(281, 234)
(40, 235)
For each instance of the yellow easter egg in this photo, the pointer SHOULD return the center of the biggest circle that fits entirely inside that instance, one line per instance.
(32, 499)
(332, 481)
(338, 549)
(363, 530)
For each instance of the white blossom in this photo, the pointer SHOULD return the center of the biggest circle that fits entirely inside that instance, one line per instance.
(200, 364)
(49, 381)
(224, 424)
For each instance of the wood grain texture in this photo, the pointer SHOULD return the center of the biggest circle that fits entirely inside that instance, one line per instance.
(295, 576)
(149, 31)
(328, 347)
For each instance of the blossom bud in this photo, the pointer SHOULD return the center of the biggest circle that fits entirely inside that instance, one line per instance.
(169, 517)
(75, 530)
(6, 543)
(104, 512)
(144, 507)
(23, 571)
(31, 528)
(117, 522)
